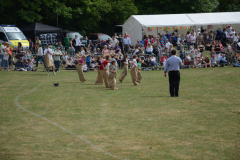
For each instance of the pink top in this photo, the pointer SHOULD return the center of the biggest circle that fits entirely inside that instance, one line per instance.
(81, 61)
(105, 51)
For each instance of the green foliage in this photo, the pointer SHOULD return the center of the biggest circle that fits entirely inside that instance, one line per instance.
(87, 16)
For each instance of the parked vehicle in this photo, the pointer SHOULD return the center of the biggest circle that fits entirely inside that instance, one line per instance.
(13, 35)
(72, 34)
(93, 37)
(117, 29)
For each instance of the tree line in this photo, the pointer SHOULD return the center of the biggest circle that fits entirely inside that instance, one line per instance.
(88, 16)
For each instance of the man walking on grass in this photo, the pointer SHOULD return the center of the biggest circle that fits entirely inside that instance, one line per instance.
(173, 65)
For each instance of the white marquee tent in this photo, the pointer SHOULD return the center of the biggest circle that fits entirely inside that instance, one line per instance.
(134, 24)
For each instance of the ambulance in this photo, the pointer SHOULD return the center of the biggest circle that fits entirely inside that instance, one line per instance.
(13, 35)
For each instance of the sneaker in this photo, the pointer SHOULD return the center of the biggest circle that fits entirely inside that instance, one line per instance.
(48, 74)
(54, 73)
(8, 70)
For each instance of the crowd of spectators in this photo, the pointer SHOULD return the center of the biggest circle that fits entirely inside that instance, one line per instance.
(152, 50)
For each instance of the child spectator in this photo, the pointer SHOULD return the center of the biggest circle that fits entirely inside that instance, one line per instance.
(212, 52)
(85, 67)
(214, 61)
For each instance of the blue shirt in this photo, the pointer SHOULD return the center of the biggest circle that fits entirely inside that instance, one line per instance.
(173, 64)
(168, 36)
(222, 59)
(88, 59)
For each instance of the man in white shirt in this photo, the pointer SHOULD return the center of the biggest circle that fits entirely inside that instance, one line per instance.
(114, 41)
(126, 43)
(199, 31)
(78, 42)
(3, 47)
(167, 45)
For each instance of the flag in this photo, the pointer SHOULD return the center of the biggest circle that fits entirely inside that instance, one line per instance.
(165, 28)
(172, 28)
(185, 27)
(160, 28)
(181, 27)
(169, 28)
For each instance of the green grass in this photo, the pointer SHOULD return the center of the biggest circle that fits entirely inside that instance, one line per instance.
(134, 122)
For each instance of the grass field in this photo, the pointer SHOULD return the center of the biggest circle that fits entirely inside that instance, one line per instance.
(85, 121)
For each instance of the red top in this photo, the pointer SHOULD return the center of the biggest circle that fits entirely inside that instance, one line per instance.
(104, 63)
(127, 36)
(145, 43)
(162, 59)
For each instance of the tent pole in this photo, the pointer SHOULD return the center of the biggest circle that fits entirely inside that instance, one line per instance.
(57, 13)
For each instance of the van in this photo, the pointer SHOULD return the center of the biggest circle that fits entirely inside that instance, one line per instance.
(13, 35)
(71, 34)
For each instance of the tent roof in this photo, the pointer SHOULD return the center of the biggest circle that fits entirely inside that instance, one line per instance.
(39, 27)
(193, 19)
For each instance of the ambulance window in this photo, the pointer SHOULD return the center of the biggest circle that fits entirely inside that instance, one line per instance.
(2, 36)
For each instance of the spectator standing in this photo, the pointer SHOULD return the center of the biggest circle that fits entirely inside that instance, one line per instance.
(3, 48)
(167, 45)
(39, 54)
(31, 44)
(120, 40)
(37, 42)
(114, 41)
(146, 42)
(66, 42)
(126, 43)
(193, 39)
(78, 42)
(57, 60)
(188, 39)
(219, 34)
(88, 56)
(168, 36)
(87, 41)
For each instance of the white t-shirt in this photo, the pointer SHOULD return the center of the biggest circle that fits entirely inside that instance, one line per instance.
(45, 51)
(83, 52)
(135, 62)
(78, 42)
(40, 51)
(48, 50)
(84, 67)
(153, 59)
(232, 33)
(167, 45)
(193, 39)
(113, 42)
(2, 49)
(107, 66)
(235, 39)
(149, 49)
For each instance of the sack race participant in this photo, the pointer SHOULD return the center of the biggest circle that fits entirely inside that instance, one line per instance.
(80, 68)
(48, 60)
(105, 70)
(134, 70)
(139, 75)
(125, 69)
(99, 80)
(112, 75)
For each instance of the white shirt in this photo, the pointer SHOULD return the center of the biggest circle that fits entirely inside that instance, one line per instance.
(232, 33)
(83, 52)
(153, 59)
(40, 51)
(135, 62)
(193, 39)
(113, 42)
(107, 66)
(2, 49)
(235, 38)
(167, 45)
(198, 33)
(50, 51)
(84, 67)
(78, 42)
(149, 49)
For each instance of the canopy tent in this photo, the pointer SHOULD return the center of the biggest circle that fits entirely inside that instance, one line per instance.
(47, 34)
(134, 24)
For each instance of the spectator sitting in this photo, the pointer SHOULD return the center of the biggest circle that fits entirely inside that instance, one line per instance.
(20, 65)
(155, 51)
(30, 66)
(149, 48)
(214, 61)
(207, 62)
(70, 64)
(139, 45)
(85, 68)
(117, 48)
(99, 51)
(235, 60)
(95, 52)
(212, 52)
(111, 51)
(164, 59)
(196, 62)
(154, 61)
(222, 60)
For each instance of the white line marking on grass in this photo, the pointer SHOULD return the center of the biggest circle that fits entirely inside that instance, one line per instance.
(55, 124)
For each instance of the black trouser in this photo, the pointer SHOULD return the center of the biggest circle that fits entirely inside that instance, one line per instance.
(174, 81)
